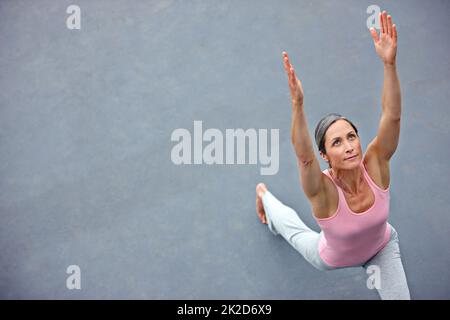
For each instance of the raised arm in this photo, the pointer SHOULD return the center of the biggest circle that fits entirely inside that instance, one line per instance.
(310, 172)
(386, 141)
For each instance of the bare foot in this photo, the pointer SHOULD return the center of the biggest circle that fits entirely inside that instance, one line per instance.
(260, 191)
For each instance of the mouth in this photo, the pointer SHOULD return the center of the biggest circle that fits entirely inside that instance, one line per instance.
(352, 158)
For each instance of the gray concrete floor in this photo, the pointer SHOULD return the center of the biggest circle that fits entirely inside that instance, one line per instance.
(86, 117)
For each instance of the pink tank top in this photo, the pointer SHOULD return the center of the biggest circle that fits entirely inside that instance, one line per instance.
(350, 238)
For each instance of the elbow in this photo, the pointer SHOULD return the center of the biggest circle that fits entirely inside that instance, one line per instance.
(393, 117)
(393, 114)
(304, 161)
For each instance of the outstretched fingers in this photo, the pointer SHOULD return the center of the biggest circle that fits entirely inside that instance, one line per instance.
(389, 25)
(385, 23)
(287, 64)
(292, 75)
(290, 71)
(386, 27)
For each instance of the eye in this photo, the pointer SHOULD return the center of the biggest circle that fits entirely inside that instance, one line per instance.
(335, 142)
(351, 135)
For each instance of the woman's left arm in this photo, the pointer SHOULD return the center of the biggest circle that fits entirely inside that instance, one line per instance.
(388, 134)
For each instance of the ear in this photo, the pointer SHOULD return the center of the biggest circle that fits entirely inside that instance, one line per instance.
(324, 156)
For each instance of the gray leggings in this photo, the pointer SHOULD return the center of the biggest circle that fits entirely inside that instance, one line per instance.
(390, 280)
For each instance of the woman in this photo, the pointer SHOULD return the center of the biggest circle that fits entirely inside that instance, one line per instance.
(350, 199)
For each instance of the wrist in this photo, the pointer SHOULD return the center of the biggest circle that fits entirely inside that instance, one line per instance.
(297, 107)
(391, 64)
(297, 103)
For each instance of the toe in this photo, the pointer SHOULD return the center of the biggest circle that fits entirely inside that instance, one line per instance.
(261, 189)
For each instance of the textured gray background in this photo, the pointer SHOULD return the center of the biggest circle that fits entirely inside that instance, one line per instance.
(85, 123)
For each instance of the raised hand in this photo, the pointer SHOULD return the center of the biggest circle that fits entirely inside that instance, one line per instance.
(386, 43)
(295, 85)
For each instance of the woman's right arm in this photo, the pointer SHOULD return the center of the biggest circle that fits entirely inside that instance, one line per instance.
(311, 175)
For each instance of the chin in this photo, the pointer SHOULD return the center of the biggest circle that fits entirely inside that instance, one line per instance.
(353, 164)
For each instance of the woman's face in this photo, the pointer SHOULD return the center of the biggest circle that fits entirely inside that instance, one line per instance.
(342, 143)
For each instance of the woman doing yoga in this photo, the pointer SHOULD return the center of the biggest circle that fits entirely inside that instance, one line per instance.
(350, 199)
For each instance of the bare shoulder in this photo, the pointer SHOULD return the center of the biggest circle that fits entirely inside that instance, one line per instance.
(325, 204)
(377, 169)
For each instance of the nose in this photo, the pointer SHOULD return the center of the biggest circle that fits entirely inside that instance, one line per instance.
(348, 147)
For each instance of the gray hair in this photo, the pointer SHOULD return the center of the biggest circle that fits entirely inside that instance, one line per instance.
(323, 126)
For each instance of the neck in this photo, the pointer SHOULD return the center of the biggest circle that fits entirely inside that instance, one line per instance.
(350, 181)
